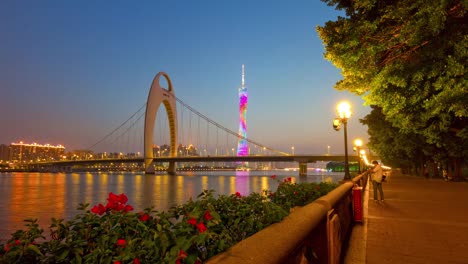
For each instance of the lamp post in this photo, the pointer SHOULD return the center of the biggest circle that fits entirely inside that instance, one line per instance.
(358, 145)
(344, 113)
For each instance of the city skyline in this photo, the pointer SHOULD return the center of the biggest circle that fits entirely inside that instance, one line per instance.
(71, 72)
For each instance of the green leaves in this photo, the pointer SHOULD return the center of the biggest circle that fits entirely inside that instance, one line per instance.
(191, 232)
(409, 59)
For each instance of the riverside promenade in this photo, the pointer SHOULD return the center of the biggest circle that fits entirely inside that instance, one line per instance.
(420, 221)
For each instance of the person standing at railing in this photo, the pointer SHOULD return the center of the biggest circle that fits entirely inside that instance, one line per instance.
(377, 175)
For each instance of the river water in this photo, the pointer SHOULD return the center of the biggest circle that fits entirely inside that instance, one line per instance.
(47, 195)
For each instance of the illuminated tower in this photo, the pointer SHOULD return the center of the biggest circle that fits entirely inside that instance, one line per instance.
(242, 147)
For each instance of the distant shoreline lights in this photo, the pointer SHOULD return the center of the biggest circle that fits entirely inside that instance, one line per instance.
(34, 144)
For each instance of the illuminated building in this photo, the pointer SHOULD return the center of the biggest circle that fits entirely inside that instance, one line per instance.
(22, 152)
(242, 147)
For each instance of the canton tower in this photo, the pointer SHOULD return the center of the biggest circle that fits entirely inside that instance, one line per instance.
(242, 147)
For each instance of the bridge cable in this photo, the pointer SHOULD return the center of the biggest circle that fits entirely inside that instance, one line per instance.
(113, 131)
(226, 129)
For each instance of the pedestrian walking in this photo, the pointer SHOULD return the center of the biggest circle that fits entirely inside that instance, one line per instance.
(377, 175)
(445, 174)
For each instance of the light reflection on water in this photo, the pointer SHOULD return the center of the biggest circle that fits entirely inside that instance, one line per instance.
(47, 195)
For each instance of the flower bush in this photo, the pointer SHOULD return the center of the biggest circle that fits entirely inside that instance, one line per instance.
(289, 194)
(188, 233)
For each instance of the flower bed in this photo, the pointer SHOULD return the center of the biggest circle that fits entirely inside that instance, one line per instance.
(187, 233)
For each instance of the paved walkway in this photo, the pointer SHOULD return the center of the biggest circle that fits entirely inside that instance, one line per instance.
(420, 221)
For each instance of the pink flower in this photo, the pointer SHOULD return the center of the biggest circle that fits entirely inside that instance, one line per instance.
(192, 221)
(238, 194)
(121, 242)
(208, 216)
(201, 227)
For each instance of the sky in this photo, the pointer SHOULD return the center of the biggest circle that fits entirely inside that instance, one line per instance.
(71, 71)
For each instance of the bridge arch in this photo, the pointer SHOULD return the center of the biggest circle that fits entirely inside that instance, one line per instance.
(157, 96)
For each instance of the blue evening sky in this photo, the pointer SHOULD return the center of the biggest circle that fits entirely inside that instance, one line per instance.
(71, 71)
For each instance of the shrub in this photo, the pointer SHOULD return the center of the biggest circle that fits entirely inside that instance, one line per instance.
(187, 233)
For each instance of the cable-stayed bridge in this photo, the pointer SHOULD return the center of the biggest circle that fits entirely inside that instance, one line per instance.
(182, 135)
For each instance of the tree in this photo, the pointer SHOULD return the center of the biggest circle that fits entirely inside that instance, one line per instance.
(409, 58)
(403, 150)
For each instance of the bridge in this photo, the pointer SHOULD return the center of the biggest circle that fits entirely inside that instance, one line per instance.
(173, 153)
(301, 159)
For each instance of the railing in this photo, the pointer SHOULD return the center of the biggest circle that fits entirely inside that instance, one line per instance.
(315, 233)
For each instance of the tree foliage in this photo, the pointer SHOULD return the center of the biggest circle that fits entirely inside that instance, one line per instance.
(408, 57)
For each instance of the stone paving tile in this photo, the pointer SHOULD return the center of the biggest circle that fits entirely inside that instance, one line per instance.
(420, 221)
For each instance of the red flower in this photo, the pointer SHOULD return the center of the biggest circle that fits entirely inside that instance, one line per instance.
(7, 247)
(208, 216)
(192, 221)
(17, 242)
(182, 255)
(128, 208)
(295, 193)
(238, 194)
(121, 242)
(273, 176)
(144, 217)
(114, 198)
(136, 261)
(98, 209)
(289, 179)
(117, 262)
(201, 227)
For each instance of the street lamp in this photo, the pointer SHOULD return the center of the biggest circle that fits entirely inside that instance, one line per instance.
(344, 113)
(363, 157)
(292, 149)
(358, 145)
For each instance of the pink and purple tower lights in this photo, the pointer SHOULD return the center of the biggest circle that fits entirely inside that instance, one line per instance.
(242, 147)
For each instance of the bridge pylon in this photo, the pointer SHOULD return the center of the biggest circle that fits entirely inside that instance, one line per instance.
(157, 96)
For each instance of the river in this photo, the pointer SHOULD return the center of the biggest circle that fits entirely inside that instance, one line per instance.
(46, 195)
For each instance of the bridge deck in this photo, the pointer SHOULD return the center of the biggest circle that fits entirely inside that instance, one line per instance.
(252, 158)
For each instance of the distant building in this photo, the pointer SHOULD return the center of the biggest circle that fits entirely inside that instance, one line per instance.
(22, 152)
(80, 154)
(4, 153)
